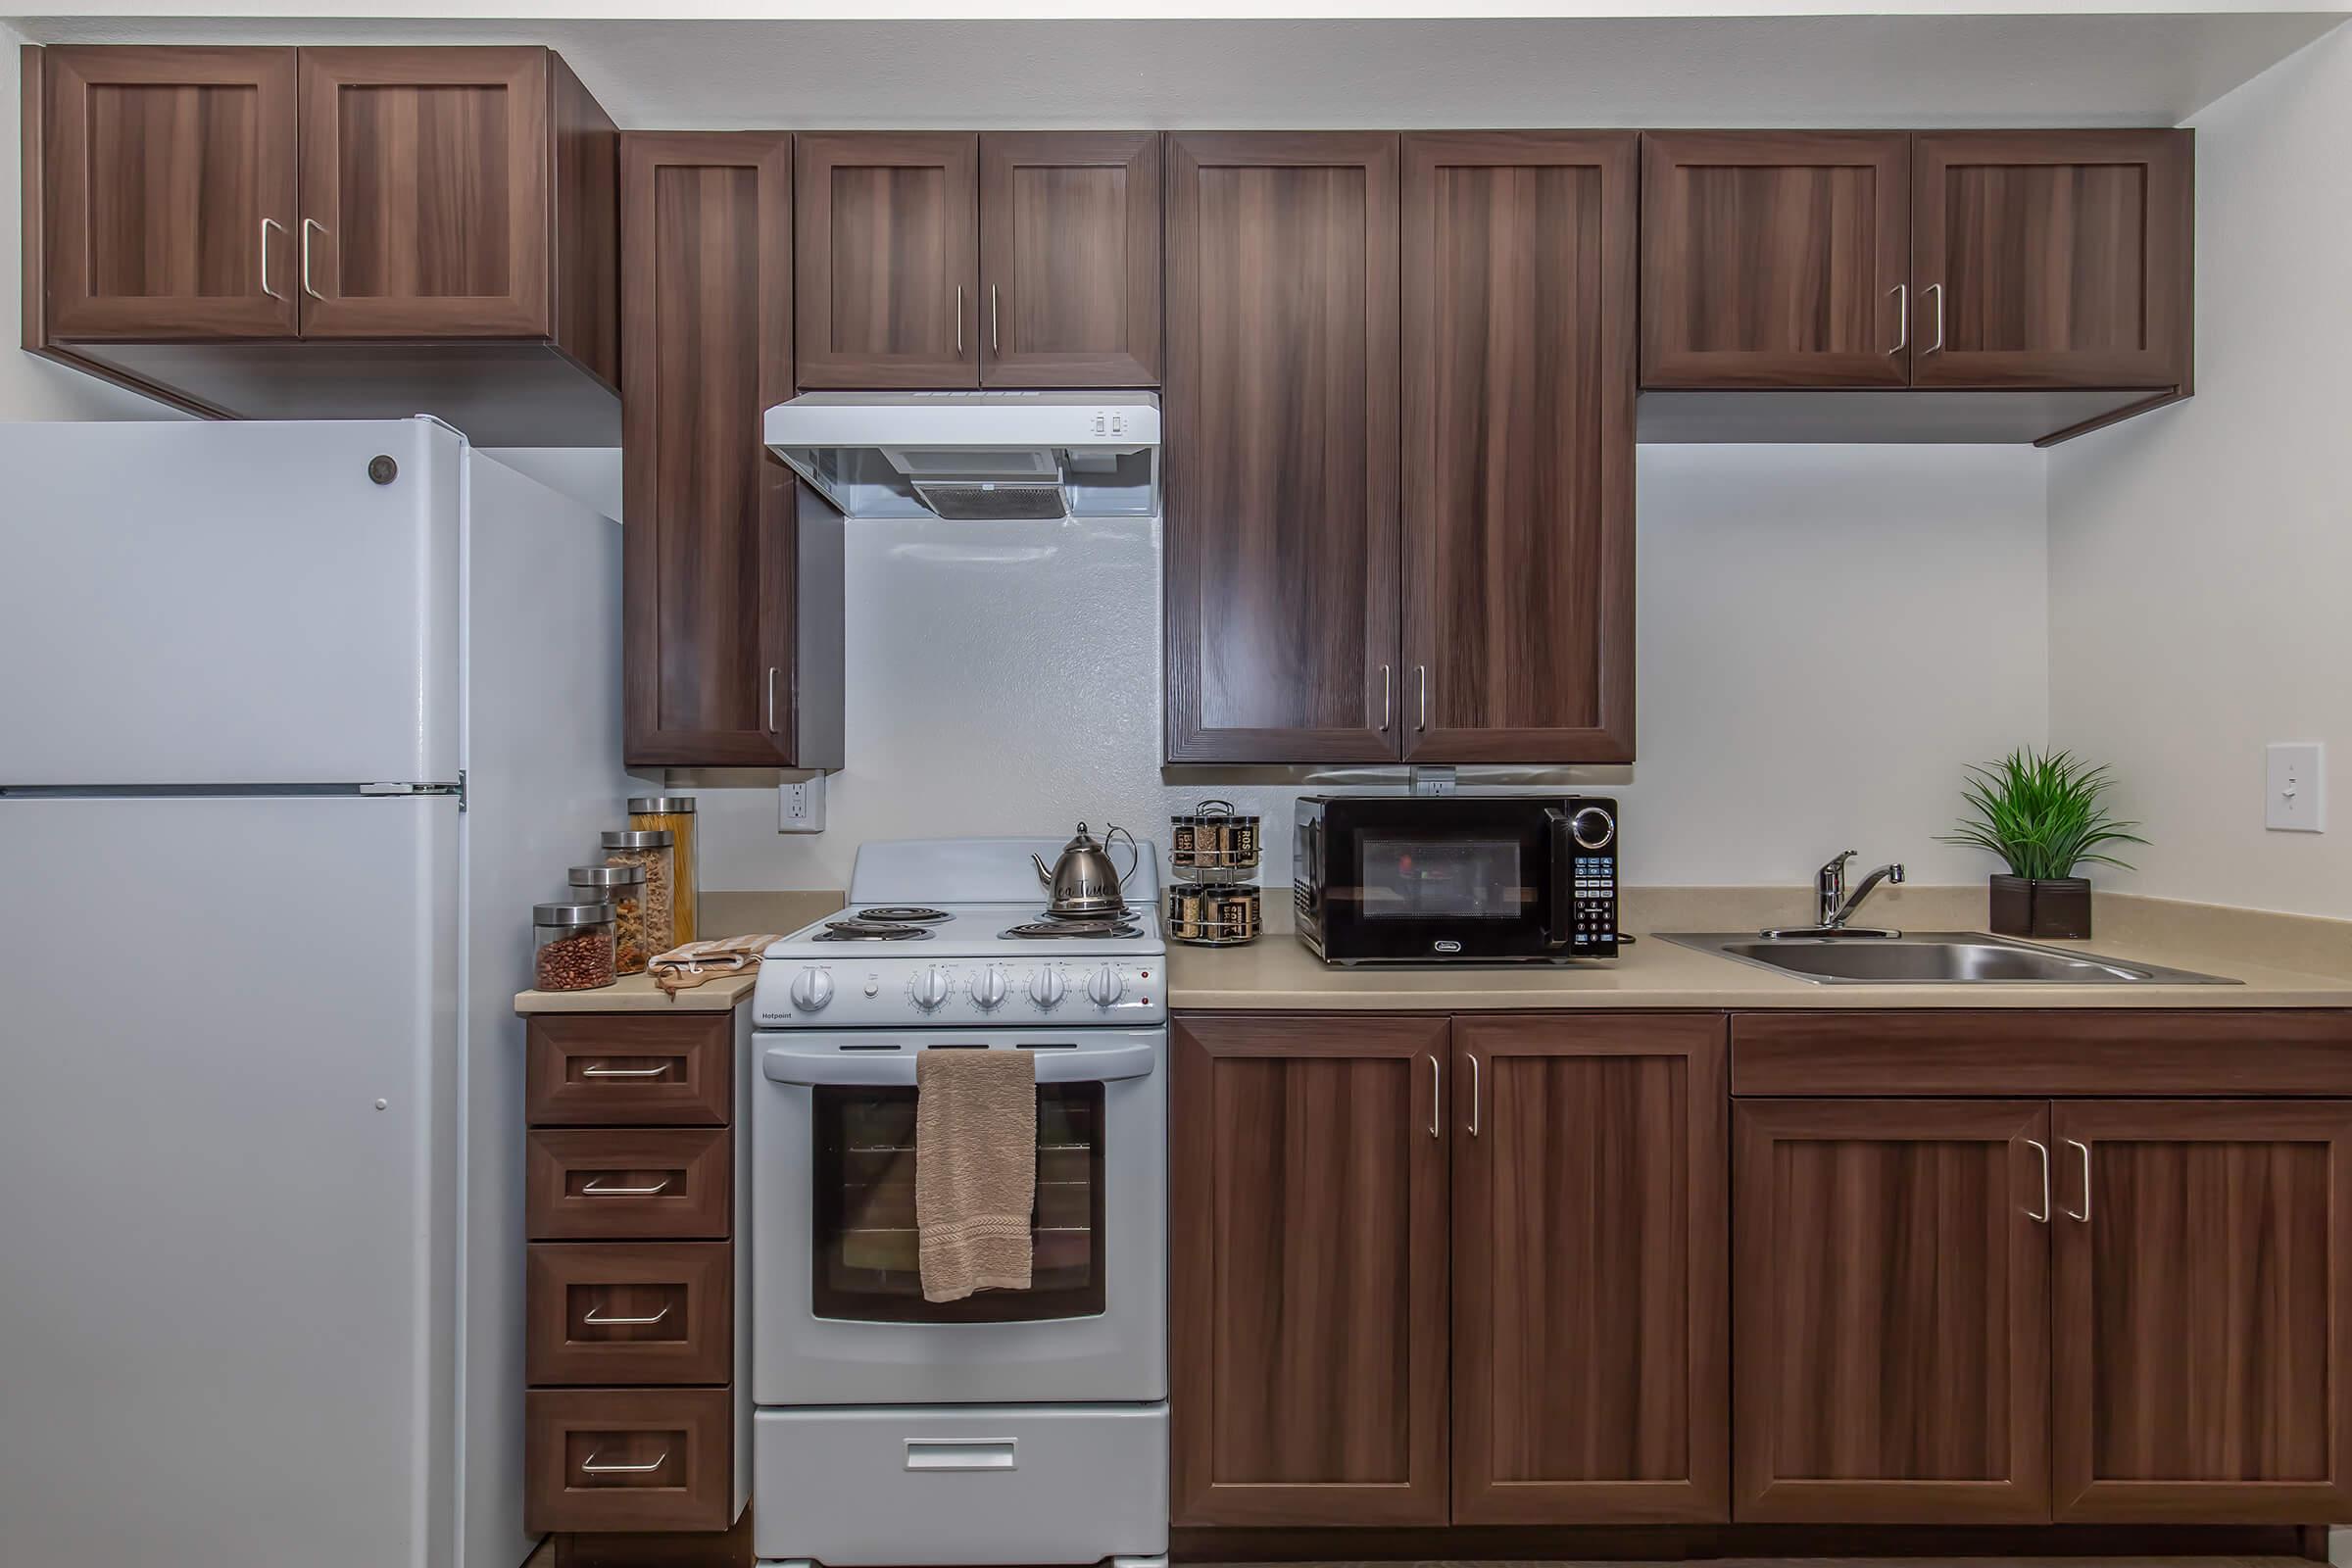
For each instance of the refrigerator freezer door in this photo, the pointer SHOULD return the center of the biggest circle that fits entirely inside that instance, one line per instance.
(229, 603)
(227, 1182)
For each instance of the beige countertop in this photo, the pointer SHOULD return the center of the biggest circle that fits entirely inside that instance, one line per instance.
(1277, 973)
(723, 914)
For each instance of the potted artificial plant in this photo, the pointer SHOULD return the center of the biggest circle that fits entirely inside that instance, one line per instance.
(2042, 812)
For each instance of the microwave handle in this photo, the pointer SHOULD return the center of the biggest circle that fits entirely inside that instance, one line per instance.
(1560, 928)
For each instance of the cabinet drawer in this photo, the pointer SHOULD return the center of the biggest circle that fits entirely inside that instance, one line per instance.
(613, 1184)
(629, 1312)
(607, 1069)
(627, 1459)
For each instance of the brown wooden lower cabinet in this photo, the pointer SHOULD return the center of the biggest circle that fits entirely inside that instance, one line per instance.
(628, 1458)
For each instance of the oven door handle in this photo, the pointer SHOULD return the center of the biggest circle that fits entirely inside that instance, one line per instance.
(1560, 928)
(888, 1069)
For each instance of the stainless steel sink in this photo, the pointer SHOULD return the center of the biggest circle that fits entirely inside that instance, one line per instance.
(1933, 957)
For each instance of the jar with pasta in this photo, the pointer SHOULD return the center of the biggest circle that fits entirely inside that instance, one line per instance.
(674, 813)
(623, 887)
(654, 852)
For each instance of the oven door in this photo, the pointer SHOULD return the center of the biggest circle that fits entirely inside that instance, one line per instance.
(838, 1297)
(1430, 880)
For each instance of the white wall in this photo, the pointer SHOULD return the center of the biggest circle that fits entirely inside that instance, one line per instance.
(32, 387)
(1826, 634)
(2201, 557)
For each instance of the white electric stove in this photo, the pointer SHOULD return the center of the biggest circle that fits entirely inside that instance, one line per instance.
(1013, 1426)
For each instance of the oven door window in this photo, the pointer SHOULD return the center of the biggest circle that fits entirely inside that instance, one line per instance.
(867, 1265)
(1445, 879)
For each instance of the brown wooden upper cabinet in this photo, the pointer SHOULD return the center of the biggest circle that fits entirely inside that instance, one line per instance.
(1284, 566)
(731, 602)
(1518, 439)
(949, 259)
(1775, 259)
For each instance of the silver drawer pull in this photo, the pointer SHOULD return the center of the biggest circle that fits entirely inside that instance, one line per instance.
(598, 1189)
(601, 1072)
(623, 1322)
(589, 1467)
(962, 1453)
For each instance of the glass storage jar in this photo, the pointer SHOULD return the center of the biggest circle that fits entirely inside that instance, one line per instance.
(571, 946)
(676, 813)
(623, 887)
(653, 850)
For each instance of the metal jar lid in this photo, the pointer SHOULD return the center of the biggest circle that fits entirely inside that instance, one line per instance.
(653, 838)
(662, 806)
(597, 913)
(606, 876)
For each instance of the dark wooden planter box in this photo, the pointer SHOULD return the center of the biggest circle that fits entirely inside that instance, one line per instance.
(2052, 909)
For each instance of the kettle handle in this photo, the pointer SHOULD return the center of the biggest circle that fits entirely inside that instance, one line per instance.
(1135, 850)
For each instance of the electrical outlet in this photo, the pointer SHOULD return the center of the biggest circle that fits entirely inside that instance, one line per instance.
(2295, 787)
(800, 805)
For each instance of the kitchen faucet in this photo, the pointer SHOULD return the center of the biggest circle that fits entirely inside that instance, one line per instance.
(1835, 906)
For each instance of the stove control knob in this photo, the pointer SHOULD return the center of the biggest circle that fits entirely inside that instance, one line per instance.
(1046, 987)
(930, 988)
(988, 985)
(1105, 986)
(811, 989)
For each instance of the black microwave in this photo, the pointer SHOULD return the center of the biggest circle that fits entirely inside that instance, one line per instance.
(1457, 878)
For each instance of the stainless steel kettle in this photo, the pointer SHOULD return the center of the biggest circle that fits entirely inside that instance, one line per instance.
(1084, 878)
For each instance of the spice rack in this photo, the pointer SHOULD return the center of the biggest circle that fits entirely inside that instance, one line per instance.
(1212, 903)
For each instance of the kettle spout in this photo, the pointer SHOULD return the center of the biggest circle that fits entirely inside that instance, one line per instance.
(1043, 874)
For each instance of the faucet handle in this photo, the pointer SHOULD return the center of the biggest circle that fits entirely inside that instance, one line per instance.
(1836, 867)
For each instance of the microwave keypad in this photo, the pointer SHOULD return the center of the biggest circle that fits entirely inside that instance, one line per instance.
(1595, 917)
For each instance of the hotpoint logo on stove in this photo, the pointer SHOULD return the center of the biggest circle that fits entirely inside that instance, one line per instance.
(1445, 947)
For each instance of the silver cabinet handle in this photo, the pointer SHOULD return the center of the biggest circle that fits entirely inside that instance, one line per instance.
(960, 320)
(2042, 1218)
(307, 224)
(623, 1322)
(269, 224)
(1474, 1097)
(1902, 316)
(993, 344)
(1384, 698)
(589, 1467)
(771, 669)
(1935, 347)
(1436, 1079)
(1421, 681)
(602, 1071)
(598, 1189)
(2083, 1150)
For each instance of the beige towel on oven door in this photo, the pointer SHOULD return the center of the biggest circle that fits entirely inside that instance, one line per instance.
(975, 1169)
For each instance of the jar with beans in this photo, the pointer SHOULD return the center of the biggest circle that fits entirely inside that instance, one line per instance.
(623, 887)
(571, 946)
(655, 853)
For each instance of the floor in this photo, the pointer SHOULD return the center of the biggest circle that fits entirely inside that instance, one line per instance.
(545, 1558)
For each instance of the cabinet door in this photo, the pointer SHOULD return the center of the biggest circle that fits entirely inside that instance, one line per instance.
(2203, 1325)
(1307, 1208)
(889, 258)
(1281, 456)
(710, 555)
(426, 208)
(1890, 1354)
(1589, 1238)
(1775, 259)
(1519, 446)
(168, 193)
(1069, 257)
(2051, 258)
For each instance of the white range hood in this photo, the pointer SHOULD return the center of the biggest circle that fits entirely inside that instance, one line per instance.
(975, 456)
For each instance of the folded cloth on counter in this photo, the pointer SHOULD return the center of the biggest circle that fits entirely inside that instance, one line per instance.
(700, 962)
(975, 1169)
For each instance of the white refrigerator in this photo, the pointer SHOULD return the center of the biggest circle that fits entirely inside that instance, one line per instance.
(299, 720)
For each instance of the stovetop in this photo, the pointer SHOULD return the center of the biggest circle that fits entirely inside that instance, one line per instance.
(1007, 931)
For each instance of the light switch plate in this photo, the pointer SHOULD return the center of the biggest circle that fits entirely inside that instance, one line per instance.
(2295, 787)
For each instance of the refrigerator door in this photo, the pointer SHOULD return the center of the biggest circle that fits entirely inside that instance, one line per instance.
(227, 1180)
(213, 602)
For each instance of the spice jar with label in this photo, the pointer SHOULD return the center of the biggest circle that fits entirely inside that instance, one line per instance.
(623, 887)
(571, 946)
(654, 852)
(674, 813)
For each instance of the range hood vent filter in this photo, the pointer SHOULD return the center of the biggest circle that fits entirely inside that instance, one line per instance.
(995, 501)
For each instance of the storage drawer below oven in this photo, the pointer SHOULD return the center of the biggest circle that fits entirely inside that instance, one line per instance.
(968, 1484)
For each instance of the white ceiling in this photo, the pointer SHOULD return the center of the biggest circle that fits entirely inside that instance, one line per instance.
(2080, 66)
